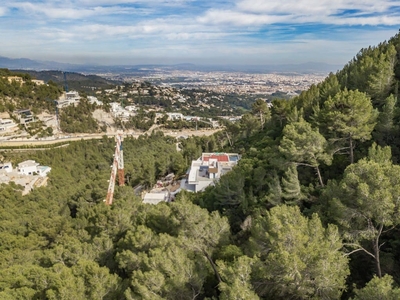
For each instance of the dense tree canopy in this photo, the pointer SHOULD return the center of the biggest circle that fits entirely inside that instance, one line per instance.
(293, 220)
(299, 258)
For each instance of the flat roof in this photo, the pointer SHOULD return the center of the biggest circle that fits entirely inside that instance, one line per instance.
(25, 110)
(193, 173)
(154, 198)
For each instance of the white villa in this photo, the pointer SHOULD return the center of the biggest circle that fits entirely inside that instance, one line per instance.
(29, 174)
(209, 168)
(30, 167)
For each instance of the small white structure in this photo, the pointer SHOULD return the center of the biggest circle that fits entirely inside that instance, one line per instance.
(131, 108)
(190, 118)
(155, 198)
(94, 100)
(175, 116)
(6, 167)
(72, 95)
(6, 124)
(38, 82)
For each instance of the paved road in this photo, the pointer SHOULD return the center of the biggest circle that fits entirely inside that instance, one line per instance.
(26, 142)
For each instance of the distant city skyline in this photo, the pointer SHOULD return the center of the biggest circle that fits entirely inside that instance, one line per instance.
(110, 32)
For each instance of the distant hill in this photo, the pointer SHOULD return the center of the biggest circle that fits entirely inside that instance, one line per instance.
(28, 64)
(75, 81)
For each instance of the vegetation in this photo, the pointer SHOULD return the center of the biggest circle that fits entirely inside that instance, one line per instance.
(26, 95)
(310, 212)
(75, 81)
(79, 118)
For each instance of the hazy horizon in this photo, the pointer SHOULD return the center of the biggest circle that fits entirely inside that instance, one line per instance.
(242, 32)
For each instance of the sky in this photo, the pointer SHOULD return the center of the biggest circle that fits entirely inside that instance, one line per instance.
(219, 32)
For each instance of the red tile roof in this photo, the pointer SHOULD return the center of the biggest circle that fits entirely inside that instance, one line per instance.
(218, 157)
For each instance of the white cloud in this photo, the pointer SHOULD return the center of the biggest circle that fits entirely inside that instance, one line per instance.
(158, 29)
(239, 18)
(310, 7)
(245, 31)
(3, 11)
(89, 4)
(155, 51)
(67, 12)
(261, 12)
(141, 2)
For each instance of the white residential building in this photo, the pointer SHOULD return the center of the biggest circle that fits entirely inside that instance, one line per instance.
(175, 116)
(31, 167)
(7, 124)
(118, 111)
(16, 79)
(67, 99)
(28, 174)
(28, 167)
(25, 116)
(94, 100)
(72, 95)
(38, 82)
(209, 168)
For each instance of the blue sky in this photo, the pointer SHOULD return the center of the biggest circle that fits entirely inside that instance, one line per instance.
(192, 31)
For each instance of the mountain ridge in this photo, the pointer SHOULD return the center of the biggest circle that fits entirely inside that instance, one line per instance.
(37, 65)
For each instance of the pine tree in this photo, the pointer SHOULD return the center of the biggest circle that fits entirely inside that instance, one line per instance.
(304, 145)
(299, 258)
(291, 189)
(261, 109)
(381, 80)
(386, 130)
(365, 202)
(349, 116)
(378, 288)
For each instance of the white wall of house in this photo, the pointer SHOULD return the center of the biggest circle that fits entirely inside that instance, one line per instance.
(28, 170)
(28, 167)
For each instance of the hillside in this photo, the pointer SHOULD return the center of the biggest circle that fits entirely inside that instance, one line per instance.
(75, 81)
(107, 107)
(311, 211)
